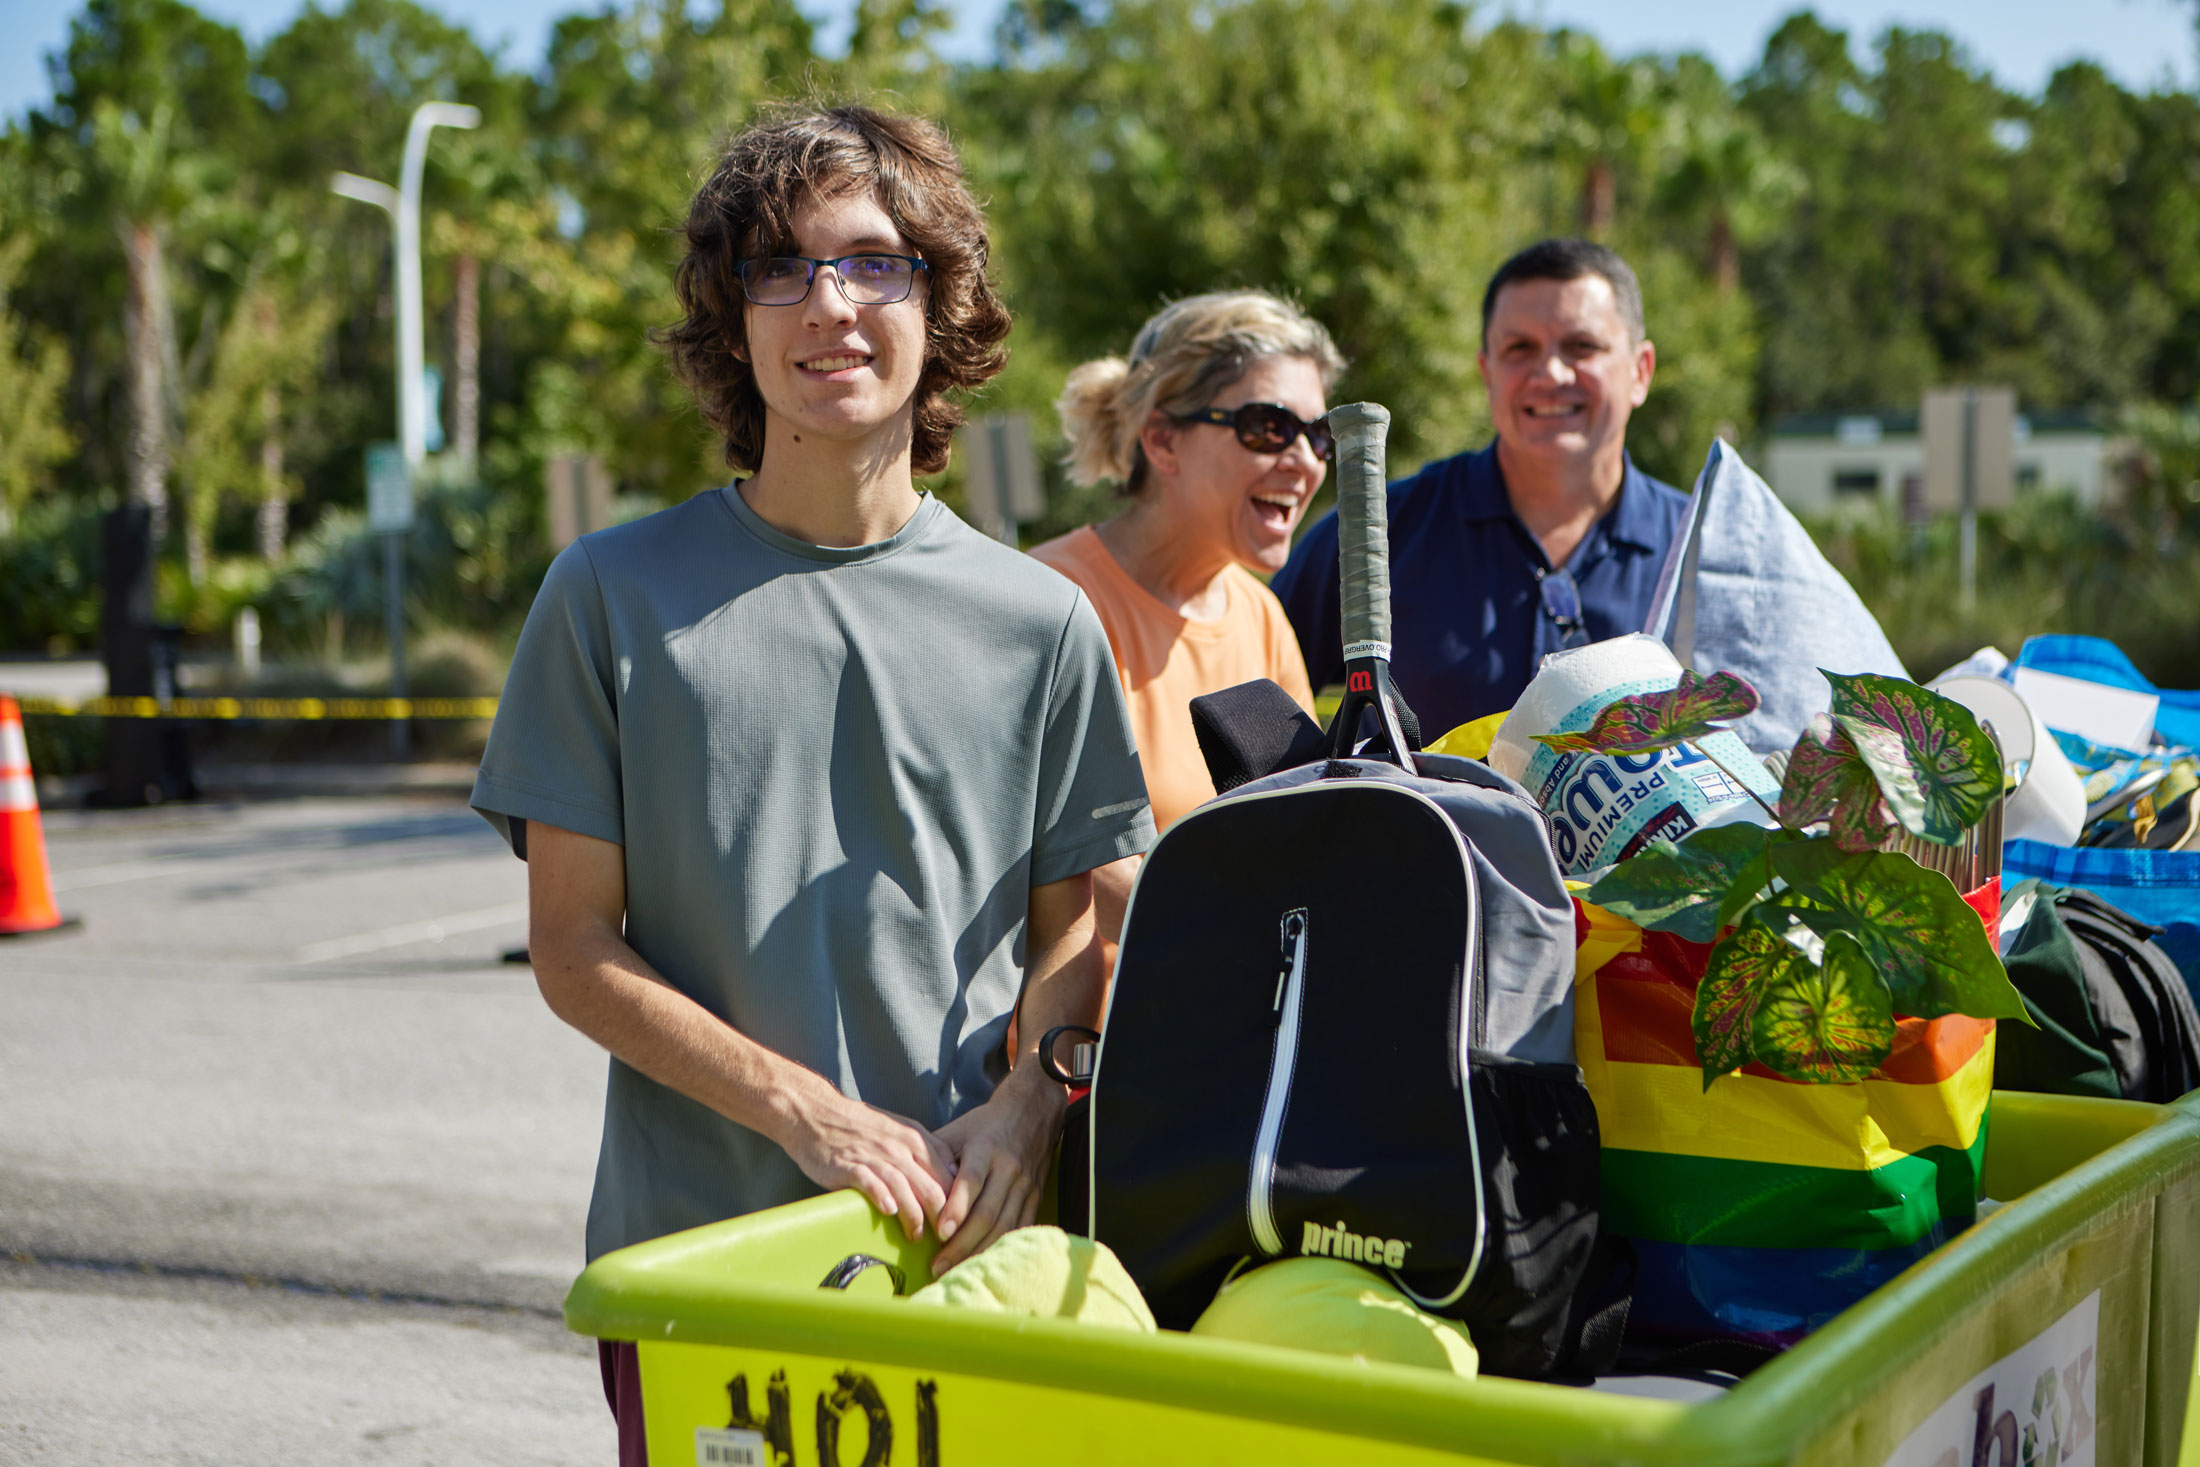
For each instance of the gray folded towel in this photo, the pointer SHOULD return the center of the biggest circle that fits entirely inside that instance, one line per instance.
(1745, 590)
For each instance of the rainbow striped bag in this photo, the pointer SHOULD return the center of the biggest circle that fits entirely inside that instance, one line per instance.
(1762, 1207)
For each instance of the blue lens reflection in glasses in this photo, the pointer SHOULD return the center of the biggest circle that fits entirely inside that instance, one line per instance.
(1562, 604)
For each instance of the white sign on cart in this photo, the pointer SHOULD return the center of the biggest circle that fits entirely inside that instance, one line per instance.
(2035, 1404)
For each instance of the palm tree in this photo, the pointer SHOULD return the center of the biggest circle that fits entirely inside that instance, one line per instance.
(243, 365)
(1727, 177)
(136, 166)
(1612, 114)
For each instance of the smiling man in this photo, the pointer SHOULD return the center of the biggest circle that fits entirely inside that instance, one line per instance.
(1548, 538)
(809, 775)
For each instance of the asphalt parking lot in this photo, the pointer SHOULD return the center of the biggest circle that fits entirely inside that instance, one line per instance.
(292, 1165)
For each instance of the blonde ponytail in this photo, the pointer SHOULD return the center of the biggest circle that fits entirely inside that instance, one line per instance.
(1091, 409)
(1190, 351)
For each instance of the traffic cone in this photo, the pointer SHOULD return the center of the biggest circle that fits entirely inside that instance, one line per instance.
(26, 887)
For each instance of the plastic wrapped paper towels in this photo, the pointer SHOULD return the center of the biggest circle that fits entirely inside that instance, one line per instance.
(1604, 807)
(1745, 590)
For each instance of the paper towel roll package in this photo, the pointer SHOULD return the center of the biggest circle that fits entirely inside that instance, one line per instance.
(1605, 807)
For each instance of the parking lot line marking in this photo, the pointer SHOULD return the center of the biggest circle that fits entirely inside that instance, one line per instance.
(194, 861)
(86, 877)
(435, 930)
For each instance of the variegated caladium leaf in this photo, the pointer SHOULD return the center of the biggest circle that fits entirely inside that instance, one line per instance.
(1825, 1023)
(1642, 722)
(1827, 779)
(1912, 924)
(1937, 768)
(1740, 969)
(1678, 888)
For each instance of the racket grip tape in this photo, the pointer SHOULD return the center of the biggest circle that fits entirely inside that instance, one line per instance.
(1362, 432)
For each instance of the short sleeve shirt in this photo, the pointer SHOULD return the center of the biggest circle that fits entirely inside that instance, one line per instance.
(837, 775)
(1166, 661)
(1468, 629)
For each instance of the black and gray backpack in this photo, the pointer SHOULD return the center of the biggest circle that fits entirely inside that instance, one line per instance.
(1342, 1024)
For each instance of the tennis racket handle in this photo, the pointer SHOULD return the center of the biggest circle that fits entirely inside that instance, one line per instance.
(1362, 431)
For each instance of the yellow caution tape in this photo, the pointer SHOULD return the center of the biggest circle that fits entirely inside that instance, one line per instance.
(266, 708)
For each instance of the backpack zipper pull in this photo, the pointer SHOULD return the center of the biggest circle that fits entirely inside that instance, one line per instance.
(1294, 935)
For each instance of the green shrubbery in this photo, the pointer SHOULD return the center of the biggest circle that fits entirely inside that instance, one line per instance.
(49, 578)
(2048, 565)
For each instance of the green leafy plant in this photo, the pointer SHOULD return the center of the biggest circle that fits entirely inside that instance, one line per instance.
(1820, 936)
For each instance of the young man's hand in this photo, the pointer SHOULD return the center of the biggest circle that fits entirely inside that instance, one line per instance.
(904, 1169)
(592, 979)
(1003, 1149)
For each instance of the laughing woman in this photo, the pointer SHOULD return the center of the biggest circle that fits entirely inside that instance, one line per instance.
(1212, 431)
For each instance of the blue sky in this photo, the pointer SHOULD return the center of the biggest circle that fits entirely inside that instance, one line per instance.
(2144, 43)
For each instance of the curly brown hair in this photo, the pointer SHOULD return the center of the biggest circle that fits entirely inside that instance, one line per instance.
(747, 209)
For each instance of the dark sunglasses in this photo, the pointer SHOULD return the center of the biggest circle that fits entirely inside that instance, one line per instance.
(1267, 427)
(1562, 604)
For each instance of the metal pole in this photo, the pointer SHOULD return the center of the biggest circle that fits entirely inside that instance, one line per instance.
(385, 198)
(403, 204)
(393, 610)
(412, 407)
(412, 398)
(1967, 537)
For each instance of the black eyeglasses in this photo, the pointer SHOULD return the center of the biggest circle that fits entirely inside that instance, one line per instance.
(1562, 604)
(1267, 427)
(868, 280)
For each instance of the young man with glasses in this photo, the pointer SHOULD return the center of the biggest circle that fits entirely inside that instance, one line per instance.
(811, 777)
(1548, 538)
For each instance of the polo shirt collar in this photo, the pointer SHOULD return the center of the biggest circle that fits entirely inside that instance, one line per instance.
(1634, 521)
(1484, 495)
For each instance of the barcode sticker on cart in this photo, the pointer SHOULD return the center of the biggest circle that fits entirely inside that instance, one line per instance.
(729, 1447)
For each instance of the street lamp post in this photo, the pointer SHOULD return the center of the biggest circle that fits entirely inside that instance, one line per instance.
(403, 206)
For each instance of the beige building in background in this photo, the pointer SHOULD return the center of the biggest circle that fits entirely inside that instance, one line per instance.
(1831, 463)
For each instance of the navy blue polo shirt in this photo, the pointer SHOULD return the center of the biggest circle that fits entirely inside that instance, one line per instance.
(1468, 629)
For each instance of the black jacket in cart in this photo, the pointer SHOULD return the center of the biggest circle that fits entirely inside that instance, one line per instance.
(1342, 1026)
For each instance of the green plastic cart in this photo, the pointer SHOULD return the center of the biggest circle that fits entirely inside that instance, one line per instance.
(2061, 1329)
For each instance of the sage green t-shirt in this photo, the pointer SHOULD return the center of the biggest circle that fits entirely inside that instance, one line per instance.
(837, 775)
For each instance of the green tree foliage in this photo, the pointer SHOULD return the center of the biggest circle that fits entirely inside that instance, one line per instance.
(633, 108)
(34, 368)
(1126, 168)
(1614, 118)
(338, 86)
(1838, 228)
(263, 355)
(151, 108)
(35, 437)
(1949, 230)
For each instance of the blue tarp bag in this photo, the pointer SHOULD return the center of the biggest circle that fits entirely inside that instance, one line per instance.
(2158, 887)
(2096, 660)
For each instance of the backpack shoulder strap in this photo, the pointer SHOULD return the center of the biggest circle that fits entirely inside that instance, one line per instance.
(2151, 984)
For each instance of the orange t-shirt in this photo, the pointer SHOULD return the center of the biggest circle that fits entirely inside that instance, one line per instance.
(1166, 661)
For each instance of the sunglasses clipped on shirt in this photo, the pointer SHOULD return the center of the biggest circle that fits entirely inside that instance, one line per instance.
(1562, 604)
(1267, 427)
(867, 280)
